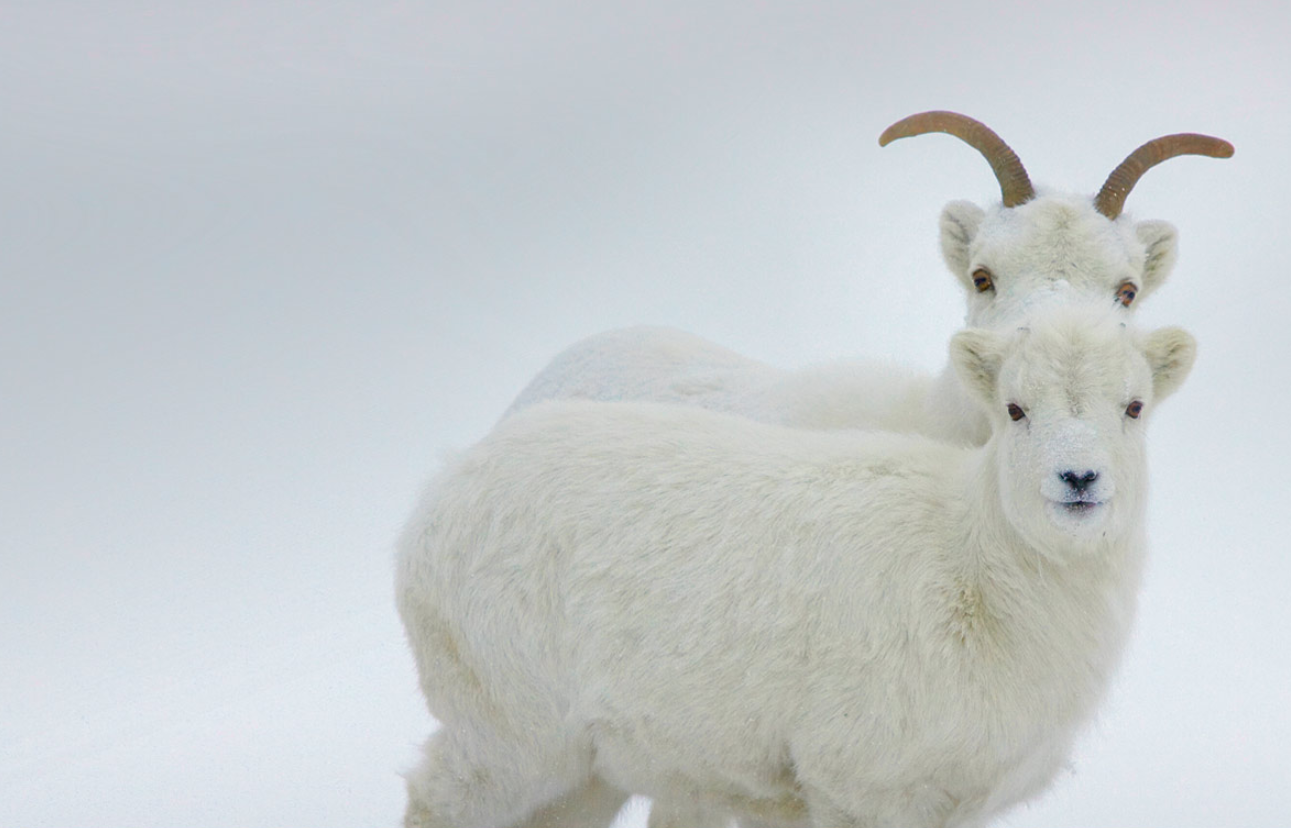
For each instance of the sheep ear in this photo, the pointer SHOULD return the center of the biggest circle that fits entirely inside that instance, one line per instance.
(1161, 241)
(960, 221)
(1170, 353)
(977, 354)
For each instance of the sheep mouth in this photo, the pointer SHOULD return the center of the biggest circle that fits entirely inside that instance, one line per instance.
(1078, 519)
(1073, 512)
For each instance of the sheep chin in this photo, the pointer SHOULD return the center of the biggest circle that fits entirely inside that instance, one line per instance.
(1080, 518)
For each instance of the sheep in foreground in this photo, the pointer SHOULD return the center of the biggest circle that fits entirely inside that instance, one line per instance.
(1031, 249)
(793, 627)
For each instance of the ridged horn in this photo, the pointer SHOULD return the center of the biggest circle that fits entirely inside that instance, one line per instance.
(1111, 199)
(1015, 186)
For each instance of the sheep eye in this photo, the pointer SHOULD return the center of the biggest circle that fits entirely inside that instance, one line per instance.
(1016, 412)
(1125, 294)
(982, 280)
(1134, 409)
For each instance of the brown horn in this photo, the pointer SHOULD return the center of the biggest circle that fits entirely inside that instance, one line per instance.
(1015, 186)
(1111, 199)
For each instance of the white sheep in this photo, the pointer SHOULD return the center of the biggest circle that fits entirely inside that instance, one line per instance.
(793, 627)
(1029, 250)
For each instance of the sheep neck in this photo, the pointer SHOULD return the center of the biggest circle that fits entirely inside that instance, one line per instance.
(1055, 624)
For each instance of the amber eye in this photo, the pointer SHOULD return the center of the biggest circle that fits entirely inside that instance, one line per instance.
(1016, 412)
(982, 280)
(1125, 294)
(1134, 409)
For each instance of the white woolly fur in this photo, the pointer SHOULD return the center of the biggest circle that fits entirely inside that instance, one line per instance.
(1055, 248)
(791, 627)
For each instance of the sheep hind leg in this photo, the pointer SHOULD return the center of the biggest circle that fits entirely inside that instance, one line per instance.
(594, 805)
(472, 780)
(675, 814)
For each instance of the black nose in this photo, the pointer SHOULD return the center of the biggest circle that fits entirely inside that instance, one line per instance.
(1079, 482)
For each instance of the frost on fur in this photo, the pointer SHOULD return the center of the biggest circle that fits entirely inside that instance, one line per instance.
(1030, 250)
(786, 626)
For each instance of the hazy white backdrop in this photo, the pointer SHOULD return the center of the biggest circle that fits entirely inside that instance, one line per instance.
(262, 262)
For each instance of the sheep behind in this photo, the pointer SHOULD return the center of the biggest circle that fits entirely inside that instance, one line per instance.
(1031, 250)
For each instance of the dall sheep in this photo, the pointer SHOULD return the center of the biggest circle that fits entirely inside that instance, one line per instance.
(1029, 250)
(792, 627)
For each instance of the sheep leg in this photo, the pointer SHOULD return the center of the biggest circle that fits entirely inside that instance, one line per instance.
(676, 814)
(918, 806)
(473, 779)
(594, 805)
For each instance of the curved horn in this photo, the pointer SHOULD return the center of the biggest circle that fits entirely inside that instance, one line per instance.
(1111, 199)
(1015, 186)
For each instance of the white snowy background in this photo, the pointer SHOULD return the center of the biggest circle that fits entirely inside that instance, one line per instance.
(261, 263)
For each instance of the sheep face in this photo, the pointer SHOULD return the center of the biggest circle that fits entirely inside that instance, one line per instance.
(1068, 399)
(1054, 248)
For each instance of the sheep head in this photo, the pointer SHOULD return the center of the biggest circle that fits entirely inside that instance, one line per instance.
(1068, 399)
(1032, 248)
